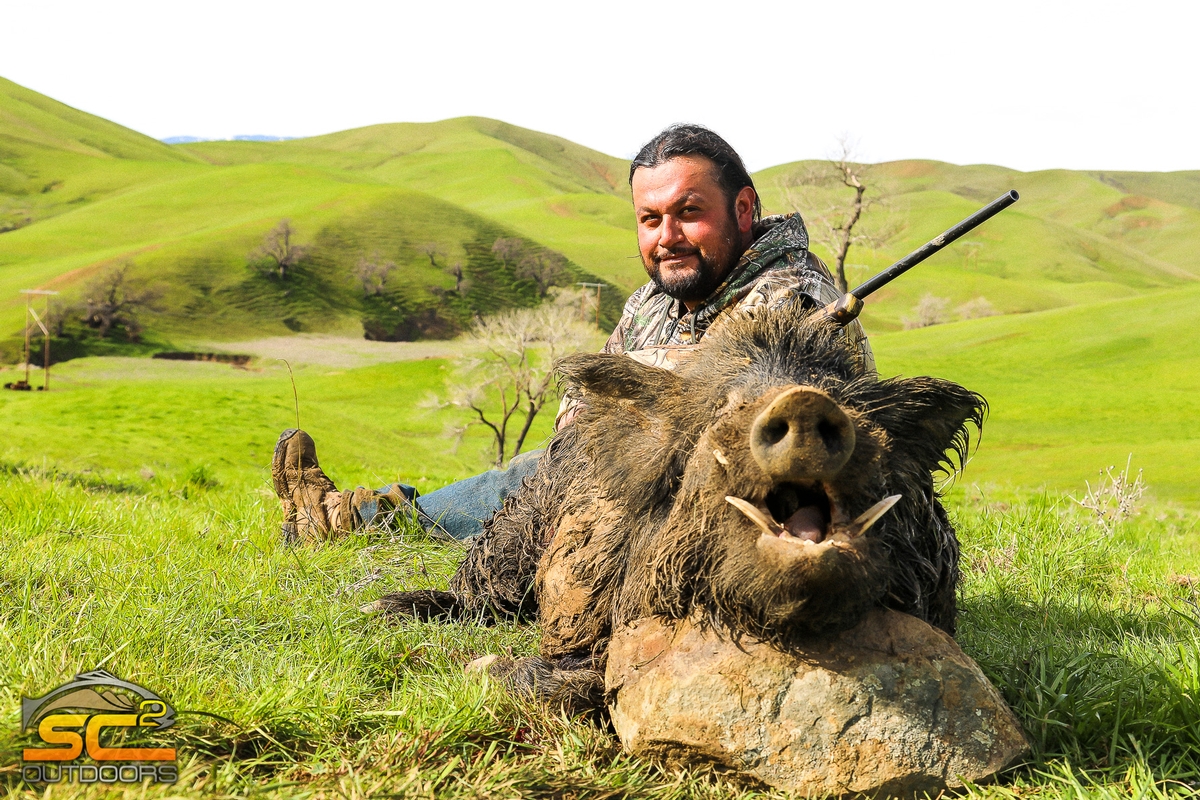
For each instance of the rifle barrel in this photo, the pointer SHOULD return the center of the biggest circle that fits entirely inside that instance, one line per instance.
(937, 243)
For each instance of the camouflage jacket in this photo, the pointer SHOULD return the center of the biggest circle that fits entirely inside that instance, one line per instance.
(658, 330)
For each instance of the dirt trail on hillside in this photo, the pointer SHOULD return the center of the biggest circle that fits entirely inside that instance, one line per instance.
(343, 352)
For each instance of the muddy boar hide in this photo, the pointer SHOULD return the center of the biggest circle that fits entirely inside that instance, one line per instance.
(733, 488)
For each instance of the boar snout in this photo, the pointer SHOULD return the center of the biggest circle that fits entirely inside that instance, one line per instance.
(802, 434)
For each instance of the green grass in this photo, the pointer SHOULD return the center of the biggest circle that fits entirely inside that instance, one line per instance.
(1074, 390)
(122, 419)
(1090, 637)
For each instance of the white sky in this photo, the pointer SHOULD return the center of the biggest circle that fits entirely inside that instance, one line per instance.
(1030, 85)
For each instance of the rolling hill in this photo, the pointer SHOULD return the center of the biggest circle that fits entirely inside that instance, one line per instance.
(84, 195)
(1071, 239)
(185, 222)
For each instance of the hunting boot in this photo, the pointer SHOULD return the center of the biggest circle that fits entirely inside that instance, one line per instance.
(313, 508)
(307, 494)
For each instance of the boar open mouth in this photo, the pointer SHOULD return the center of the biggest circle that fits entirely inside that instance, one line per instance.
(804, 514)
(802, 511)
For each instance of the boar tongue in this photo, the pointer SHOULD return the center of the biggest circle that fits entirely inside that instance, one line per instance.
(807, 523)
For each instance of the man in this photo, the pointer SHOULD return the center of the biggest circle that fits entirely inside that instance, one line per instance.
(708, 255)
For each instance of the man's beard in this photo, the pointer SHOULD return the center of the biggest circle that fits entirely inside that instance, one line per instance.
(697, 284)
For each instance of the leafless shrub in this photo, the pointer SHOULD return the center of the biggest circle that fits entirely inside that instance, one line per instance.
(280, 248)
(929, 310)
(976, 308)
(1114, 498)
(513, 379)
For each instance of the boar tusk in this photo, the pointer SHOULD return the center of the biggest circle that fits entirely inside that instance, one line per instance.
(755, 515)
(871, 515)
(719, 456)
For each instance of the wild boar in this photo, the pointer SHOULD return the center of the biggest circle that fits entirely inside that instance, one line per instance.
(770, 485)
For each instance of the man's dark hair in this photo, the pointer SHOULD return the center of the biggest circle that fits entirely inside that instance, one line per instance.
(696, 140)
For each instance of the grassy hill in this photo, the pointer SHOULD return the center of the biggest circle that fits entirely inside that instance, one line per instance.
(186, 221)
(1072, 238)
(53, 157)
(1072, 391)
(1075, 390)
(548, 189)
(85, 195)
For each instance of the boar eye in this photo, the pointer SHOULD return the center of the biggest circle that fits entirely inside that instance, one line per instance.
(733, 400)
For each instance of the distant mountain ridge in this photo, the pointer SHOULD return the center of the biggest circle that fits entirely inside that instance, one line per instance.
(256, 137)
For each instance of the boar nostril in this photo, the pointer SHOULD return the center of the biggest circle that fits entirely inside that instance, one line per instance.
(830, 434)
(803, 433)
(774, 432)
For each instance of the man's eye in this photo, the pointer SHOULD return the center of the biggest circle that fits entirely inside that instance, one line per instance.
(649, 220)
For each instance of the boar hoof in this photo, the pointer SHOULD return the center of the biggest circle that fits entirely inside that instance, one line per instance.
(481, 664)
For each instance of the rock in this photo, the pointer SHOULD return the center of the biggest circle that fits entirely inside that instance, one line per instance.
(890, 707)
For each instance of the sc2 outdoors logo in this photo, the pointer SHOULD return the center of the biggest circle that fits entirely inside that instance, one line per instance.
(77, 718)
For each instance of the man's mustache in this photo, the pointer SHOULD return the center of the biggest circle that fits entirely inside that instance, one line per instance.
(674, 252)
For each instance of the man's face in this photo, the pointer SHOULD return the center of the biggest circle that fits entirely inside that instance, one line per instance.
(688, 237)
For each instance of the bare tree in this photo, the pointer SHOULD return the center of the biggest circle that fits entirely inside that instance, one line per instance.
(460, 284)
(508, 251)
(113, 299)
(59, 316)
(970, 251)
(545, 269)
(372, 274)
(432, 250)
(280, 248)
(509, 384)
(837, 225)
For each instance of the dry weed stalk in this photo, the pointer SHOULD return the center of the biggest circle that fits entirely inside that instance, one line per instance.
(1114, 498)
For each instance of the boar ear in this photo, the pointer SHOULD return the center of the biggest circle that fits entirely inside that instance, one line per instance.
(618, 377)
(927, 419)
(637, 426)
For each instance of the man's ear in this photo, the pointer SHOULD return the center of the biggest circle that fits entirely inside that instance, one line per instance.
(927, 419)
(743, 209)
(635, 423)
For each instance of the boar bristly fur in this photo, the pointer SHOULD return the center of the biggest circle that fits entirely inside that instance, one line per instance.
(681, 494)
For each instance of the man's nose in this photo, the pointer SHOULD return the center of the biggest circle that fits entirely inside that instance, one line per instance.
(670, 232)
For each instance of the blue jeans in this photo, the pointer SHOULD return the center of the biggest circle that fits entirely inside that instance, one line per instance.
(462, 508)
